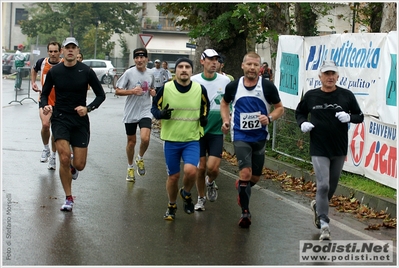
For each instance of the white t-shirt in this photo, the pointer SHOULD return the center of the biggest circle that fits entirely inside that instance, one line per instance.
(169, 76)
(215, 88)
(159, 76)
(137, 107)
(19, 55)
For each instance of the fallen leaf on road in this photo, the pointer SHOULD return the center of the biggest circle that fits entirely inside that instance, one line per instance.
(341, 203)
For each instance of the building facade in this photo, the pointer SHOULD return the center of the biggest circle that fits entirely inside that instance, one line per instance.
(162, 38)
(11, 14)
(167, 42)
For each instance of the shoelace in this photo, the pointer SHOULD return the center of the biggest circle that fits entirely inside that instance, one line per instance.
(172, 208)
(140, 164)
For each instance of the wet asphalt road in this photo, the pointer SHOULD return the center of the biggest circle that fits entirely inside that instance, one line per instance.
(115, 222)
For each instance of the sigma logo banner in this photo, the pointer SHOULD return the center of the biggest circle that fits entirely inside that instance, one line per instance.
(372, 151)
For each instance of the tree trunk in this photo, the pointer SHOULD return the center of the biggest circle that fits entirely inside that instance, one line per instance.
(281, 26)
(305, 19)
(233, 48)
(376, 17)
(251, 43)
(234, 56)
(202, 44)
(388, 22)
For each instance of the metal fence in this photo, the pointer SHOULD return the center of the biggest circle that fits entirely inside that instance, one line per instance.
(22, 85)
(287, 138)
(120, 63)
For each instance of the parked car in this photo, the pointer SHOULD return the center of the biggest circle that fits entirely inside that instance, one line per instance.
(101, 67)
(7, 64)
(171, 66)
(5, 55)
(150, 65)
(25, 72)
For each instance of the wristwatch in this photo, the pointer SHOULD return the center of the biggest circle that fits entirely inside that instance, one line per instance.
(270, 118)
(88, 109)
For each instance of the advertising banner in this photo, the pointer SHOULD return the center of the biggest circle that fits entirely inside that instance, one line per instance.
(372, 151)
(291, 72)
(367, 66)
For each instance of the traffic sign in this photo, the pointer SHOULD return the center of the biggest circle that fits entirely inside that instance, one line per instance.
(145, 38)
(189, 45)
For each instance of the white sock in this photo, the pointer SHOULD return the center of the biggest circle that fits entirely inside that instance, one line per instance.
(130, 166)
(46, 147)
(53, 154)
(323, 224)
(139, 157)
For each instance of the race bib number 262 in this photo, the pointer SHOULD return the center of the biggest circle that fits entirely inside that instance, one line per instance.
(249, 121)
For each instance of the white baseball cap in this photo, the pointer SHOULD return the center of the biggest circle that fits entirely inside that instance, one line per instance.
(209, 53)
(70, 40)
(328, 65)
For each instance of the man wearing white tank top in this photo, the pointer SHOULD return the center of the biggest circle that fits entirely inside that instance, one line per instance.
(251, 98)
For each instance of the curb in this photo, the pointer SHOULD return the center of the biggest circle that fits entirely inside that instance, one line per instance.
(378, 203)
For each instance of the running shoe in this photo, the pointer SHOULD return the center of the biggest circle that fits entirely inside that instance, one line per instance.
(188, 205)
(45, 155)
(75, 172)
(316, 220)
(245, 220)
(130, 175)
(170, 212)
(325, 234)
(67, 206)
(51, 163)
(212, 190)
(200, 206)
(140, 167)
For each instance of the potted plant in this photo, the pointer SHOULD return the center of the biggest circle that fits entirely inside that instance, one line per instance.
(147, 23)
(154, 25)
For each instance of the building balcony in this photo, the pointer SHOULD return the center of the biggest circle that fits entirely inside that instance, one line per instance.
(160, 24)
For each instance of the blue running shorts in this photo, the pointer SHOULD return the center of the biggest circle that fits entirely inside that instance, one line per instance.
(175, 151)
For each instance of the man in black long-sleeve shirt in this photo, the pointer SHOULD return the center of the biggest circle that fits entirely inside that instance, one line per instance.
(70, 123)
(331, 109)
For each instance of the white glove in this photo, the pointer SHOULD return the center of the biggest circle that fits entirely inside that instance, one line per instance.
(306, 127)
(343, 117)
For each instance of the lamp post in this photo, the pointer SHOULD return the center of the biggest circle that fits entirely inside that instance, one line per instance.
(355, 5)
(95, 42)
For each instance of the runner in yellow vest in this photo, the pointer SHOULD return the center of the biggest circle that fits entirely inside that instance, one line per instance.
(182, 106)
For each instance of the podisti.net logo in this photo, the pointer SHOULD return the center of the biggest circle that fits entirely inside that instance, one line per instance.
(351, 251)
